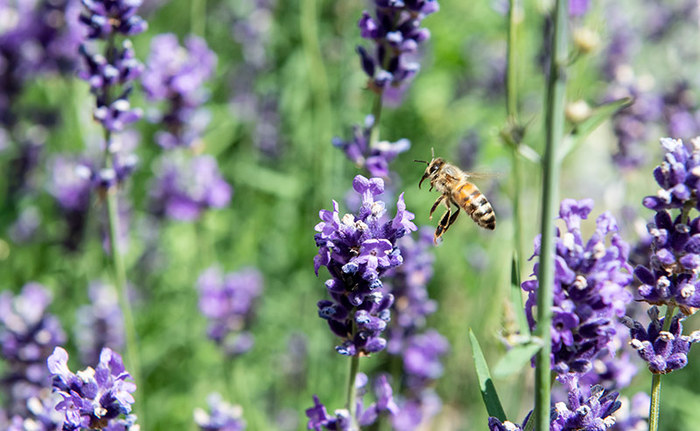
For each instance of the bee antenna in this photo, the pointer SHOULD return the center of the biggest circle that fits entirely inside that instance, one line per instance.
(432, 152)
(421, 161)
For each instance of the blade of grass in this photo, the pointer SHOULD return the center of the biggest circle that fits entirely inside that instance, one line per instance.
(486, 386)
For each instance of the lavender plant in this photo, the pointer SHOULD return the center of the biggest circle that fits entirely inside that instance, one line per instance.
(176, 74)
(94, 398)
(357, 250)
(28, 334)
(344, 419)
(223, 416)
(589, 288)
(111, 75)
(228, 302)
(184, 188)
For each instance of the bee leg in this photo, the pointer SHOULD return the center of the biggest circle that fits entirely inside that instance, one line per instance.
(435, 205)
(452, 219)
(443, 225)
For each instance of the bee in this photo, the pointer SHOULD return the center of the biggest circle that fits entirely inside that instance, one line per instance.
(456, 189)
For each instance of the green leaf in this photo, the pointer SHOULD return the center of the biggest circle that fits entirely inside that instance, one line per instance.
(486, 386)
(599, 115)
(516, 358)
(517, 297)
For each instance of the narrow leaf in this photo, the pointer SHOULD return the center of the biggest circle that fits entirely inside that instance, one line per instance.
(486, 386)
(515, 359)
(599, 115)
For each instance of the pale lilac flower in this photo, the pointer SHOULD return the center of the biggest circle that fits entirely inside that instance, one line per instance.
(93, 398)
(177, 74)
(99, 324)
(228, 301)
(222, 417)
(184, 188)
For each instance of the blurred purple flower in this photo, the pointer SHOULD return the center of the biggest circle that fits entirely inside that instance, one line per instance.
(93, 398)
(579, 8)
(38, 36)
(107, 17)
(375, 159)
(633, 414)
(99, 324)
(408, 283)
(664, 351)
(177, 75)
(589, 292)
(184, 188)
(630, 124)
(28, 334)
(228, 302)
(223, 416)
(395, 30)
(682, 117)
(358, 250)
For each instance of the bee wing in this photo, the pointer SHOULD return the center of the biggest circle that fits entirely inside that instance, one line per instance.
(484, 175)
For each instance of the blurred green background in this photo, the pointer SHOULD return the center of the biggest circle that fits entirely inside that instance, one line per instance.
(313, 74)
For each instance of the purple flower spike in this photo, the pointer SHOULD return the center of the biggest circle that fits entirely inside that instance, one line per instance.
(358, 250)
(177, 75)
(589, 291)
(589, 408)
(184, 188)
(93, 398)
(223, 416)
(497, 425)
(375, 159)
(664, 351)
(28, 335)
(395, 30)
(228, 302)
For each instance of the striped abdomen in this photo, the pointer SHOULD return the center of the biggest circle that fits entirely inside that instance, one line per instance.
(467, 196)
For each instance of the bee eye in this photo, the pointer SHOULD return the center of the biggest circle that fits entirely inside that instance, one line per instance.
(433, 169)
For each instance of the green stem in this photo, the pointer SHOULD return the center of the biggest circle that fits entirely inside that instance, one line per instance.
(198, 17)
(655, 405)
(554, 126)
(377, 114)
(120, 277)
(514, 18)
(132, 357)
(351, 404)
(655, 402)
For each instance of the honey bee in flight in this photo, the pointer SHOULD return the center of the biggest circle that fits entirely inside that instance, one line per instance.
(456, 189)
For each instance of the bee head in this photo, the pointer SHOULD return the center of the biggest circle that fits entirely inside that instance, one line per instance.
(433, 168)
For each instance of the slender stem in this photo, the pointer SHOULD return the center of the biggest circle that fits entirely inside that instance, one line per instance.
(655, 405)
(554, 126)
(351, 404)
(513, 124)
(514, 18)
(132, 357)
(198, 17)
(120, 276)
(655, 402)
(377, 114)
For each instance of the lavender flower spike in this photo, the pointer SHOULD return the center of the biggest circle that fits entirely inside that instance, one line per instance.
(589, 408)
(396, 32)
(589, 292)
(358, 249)
(664, 351)
(93, 398)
